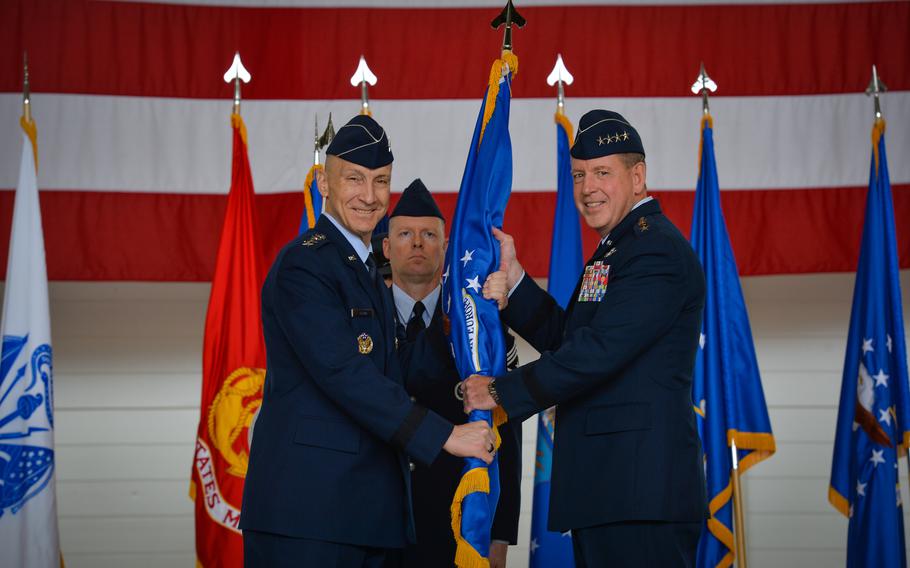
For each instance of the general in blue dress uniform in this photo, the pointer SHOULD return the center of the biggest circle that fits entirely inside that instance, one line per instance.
(415, 247)
(328, 483)
(628, 477)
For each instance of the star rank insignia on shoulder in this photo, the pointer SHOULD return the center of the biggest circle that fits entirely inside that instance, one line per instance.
(313, 239)
(643, 225)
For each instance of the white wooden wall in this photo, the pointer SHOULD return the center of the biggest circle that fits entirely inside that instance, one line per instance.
(127, 360)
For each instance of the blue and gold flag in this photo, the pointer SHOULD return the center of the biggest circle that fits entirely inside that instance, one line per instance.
(727, 391)
(476, 332)
(553, 549)
(312, 205)
(873, 422)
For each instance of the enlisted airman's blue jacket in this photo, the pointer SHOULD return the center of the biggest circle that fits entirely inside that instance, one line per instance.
(329, 456)
(619, 365)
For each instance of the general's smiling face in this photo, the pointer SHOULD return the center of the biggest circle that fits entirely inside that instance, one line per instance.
(606, 189)
(356, 196)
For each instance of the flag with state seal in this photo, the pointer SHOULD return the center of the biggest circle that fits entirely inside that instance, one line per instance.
(29, 536)
(873, 423)
(233, 371)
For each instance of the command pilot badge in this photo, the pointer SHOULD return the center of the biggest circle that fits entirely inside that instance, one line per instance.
(594, 282)
(364, 344)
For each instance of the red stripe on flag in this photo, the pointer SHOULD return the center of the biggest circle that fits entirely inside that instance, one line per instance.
(174, 237)
(126, 48)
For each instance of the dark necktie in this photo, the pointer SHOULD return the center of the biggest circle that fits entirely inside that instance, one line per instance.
(371, 267)
(415, 324)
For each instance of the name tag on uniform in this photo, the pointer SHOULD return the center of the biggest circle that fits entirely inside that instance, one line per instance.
(594, 282)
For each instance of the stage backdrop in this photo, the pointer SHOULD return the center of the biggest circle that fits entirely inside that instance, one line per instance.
(135, 135)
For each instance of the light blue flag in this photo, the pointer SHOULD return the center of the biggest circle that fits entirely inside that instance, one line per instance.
(873, 422)
(727, 391)
(312, 205)
(476, 332)
(553, 549)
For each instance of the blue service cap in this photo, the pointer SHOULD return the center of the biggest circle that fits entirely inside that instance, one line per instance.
(416, 201)
(363, 142)
(604, 132)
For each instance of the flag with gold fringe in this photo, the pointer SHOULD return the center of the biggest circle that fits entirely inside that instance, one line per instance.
(233, 372)
(553, 549)
(475, 331)
(312, 201)
(727, 391)
(873, 422)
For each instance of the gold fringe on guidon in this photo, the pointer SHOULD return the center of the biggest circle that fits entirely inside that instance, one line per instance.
(561, 119)
(31, 130)
(311, 213)
(500, 68)
(878, 130)
(476, 480)
(237, 122)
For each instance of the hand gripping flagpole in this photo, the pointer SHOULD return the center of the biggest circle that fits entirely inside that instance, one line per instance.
(363, 78)
(702, 86)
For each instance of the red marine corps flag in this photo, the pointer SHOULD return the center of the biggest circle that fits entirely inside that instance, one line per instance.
(233, 364)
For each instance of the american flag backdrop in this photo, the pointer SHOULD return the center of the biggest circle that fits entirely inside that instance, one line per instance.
(136, 146)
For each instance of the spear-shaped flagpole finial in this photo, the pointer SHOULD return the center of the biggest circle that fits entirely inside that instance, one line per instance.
(702, 85)
(362, 78)
(327, 135)
(26, 90)
(559, 76)
(316, 141)
(875, 88)
(236, 73)
(509, 16)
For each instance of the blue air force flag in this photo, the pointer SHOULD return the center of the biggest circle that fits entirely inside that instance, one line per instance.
(28, 505)
(552, 549)
(873, 422)
(476, 332)
(726, 390)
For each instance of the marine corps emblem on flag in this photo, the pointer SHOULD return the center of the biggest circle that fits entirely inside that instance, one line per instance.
(231, 413)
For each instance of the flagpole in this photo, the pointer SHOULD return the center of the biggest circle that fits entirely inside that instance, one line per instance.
(364, 78)
(703, 86)
(740, 527)
(237, 73)
(26, 91)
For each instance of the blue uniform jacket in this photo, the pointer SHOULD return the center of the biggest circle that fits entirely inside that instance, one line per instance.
(435, 485)
(620, 369)
(329, 456)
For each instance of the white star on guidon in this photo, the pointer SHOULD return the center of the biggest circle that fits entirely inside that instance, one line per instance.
(445, 275)
(884, 416)
(867, 345)
(878, 456)
(473, 283)
(534, 545)
(881, 379)
(888, 343)
(468, 256)
(701, 340)
(861, 489)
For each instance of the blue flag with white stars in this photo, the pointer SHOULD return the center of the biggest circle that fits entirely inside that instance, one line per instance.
(726, 390)
(475, 330)
(873, 423)
(552, 549)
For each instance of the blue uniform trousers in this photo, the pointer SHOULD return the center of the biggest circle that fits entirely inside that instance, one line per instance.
(267, 550)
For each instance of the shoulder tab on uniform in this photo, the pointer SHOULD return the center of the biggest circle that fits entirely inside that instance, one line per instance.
(642, 226)
(314, 240)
